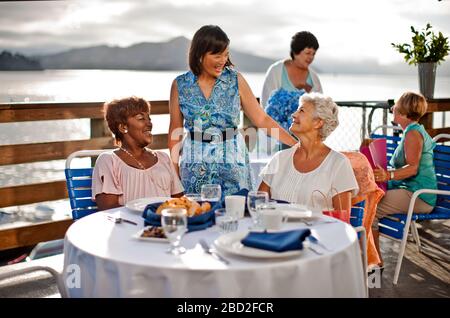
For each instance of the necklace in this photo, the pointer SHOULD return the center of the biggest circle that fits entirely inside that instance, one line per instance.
(138, 162)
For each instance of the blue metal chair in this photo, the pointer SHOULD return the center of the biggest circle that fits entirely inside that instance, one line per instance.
(356, 220)
(392, 141)
(357, 214)
(79, 184)
(394, 225)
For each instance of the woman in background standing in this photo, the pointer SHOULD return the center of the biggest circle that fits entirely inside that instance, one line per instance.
(286, 80)
(294, 73)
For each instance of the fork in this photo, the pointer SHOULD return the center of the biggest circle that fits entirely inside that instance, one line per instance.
(317, 222)
(212, 252)
(120, 220)
(314, 250)
(314, 240)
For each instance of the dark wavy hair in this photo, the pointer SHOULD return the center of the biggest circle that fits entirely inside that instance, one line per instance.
(302, 40)
(117, 111)
(209, 38)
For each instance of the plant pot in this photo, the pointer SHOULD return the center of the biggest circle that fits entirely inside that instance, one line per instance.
(427, 78)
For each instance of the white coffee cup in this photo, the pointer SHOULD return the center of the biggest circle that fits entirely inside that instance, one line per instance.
(235, 205)
(272, 219)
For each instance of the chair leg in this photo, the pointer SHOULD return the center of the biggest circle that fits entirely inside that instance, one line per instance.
(415, 234)
(401, 254)
(361, 230)
(58, 277)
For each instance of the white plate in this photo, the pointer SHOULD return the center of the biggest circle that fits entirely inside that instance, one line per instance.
(139, 205)
(231, 243)
(138, 236)
(296, 211)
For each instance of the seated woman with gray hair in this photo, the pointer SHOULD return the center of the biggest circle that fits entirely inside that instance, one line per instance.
(311, 173)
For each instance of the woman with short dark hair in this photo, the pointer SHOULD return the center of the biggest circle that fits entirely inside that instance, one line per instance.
(207, 101)
(294, 73)
(132, 171)
(286, 80)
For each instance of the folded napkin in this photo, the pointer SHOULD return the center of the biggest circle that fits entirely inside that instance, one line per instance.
(277, 241)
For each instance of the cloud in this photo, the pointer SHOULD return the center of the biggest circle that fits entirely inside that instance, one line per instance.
(346, 29)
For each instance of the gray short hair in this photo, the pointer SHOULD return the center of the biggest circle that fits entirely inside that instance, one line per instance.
(325, 109)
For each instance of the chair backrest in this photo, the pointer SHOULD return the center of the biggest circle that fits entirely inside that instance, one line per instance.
(441, 159)
(392, 139)
(357, 214)
(79, 184)
(442, 168)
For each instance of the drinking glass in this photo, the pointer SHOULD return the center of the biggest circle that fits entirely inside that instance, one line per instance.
(174, 224)
(225, 222)
(253, 198)
(193, 196)
(264, 205)
(211, 192)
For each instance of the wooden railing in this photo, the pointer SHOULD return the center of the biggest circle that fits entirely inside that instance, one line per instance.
(13, 195)
(100, 138)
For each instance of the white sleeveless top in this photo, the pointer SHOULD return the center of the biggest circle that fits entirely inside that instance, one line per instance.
(334, 175)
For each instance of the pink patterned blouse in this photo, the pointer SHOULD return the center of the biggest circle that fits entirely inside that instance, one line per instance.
(113, 176)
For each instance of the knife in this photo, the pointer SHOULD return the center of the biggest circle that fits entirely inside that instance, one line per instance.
(212, 252)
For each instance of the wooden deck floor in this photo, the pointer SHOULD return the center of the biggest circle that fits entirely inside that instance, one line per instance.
(422, 274)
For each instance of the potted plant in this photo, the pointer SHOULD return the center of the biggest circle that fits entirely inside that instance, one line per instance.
(427, 51)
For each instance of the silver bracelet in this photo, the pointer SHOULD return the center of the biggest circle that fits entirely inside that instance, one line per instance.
(391, 175)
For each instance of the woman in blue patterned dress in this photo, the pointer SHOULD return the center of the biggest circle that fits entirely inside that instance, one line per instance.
(207, 102)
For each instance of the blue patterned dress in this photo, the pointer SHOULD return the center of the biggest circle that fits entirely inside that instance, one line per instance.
(225, 163)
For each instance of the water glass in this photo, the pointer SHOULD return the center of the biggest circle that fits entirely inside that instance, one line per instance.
(225, 222)
(254, 198)
(211, 192)
(174, 224)
(264, 206)
(193, 196)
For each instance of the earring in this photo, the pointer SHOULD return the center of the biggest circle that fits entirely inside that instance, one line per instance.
(125, 131)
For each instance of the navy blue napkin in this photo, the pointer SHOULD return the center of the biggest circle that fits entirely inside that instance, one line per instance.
(277, 241)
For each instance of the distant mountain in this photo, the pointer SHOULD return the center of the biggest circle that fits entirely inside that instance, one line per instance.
(371, 66)
(17, 62)
(171, 55)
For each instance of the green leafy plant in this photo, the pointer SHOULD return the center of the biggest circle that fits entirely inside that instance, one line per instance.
(426, 47)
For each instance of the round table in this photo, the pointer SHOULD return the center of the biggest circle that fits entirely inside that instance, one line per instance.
(103, 259)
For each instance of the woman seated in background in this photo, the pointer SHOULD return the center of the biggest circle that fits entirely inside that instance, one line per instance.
(295, 174)
(132, 171)
(412, 162)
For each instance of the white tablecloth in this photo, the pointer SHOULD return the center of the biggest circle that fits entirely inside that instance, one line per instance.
(112, 263)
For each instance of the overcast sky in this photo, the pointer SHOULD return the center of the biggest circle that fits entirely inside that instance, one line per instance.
(346, 29)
